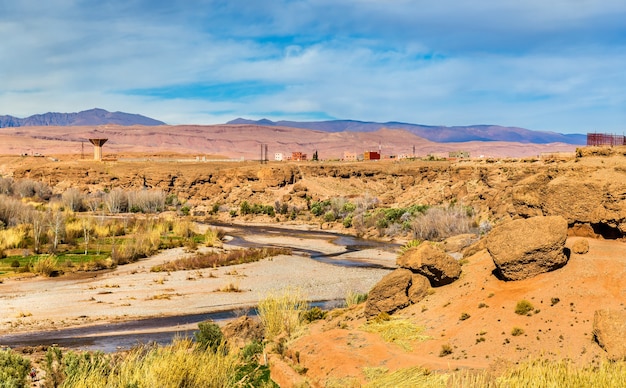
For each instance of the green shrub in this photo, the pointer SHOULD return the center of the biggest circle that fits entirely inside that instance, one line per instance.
(13, 369)
(464, 316)
(15, 264)
(313, 314)
(517, 331)
(410, 244)
(209, 336)
(523, 307)
(347, 221)
(318, 208)
(250, 373)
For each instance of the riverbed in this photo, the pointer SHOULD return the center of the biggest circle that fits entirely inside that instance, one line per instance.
(117, 309)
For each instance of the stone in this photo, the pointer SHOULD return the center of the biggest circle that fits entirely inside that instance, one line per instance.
(459, 242)
(609, 331)
(243, 330)
(431, 261)
(395, 291)
(419, 288)
(581, 246)
(525, 248)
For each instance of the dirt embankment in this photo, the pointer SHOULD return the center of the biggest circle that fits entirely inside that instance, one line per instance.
(587, 191)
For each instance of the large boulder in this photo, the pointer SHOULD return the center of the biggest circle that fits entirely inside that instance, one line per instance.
(524, 248)
(609, 331)
(431, 261)
(395, 291)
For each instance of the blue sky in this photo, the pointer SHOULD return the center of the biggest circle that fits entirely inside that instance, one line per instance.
(556, 65)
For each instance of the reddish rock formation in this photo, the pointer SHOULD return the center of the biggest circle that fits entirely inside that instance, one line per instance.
(524, 248)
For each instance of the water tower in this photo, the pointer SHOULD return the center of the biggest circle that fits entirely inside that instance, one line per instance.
(97, 148)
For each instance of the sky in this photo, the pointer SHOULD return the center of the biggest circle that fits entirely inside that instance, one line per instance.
(557, 65)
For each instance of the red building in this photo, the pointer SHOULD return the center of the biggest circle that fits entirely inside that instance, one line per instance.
(371, 155)
(298, 156)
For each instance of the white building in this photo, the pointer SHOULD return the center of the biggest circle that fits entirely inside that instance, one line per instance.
(278, 156)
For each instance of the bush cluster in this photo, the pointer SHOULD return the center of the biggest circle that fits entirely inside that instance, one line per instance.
(245, 208)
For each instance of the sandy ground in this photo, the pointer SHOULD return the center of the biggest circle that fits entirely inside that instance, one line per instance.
(133, 291)
(559, 328)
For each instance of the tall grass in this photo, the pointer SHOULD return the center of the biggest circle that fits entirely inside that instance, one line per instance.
(543, 373)
(141, 244)
(74, 229)
(13, 237)
(213, 237)
(184, 228)
(181, 364)
(533, 373)
(45, 265)
(353, 298)
(281, 312)
(409, 377)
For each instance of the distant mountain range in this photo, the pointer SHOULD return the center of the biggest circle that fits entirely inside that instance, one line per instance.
(88, 117)
(440, 134)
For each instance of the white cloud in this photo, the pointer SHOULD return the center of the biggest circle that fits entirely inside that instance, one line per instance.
(543, 65)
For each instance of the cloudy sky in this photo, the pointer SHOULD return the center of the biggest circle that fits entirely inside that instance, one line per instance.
(557, 65)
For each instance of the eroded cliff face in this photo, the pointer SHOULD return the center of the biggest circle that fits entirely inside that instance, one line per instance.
(588, 191)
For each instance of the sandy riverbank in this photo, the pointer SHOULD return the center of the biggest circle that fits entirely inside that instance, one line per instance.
(131, 291)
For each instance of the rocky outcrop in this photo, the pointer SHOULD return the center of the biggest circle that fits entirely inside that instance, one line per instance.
(395, 291)
(524, 248)
(243, 330)
(609, 331)
(431, 261)
(581, 247)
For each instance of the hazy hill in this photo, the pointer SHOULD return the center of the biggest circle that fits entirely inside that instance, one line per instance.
(88, 117)
(440, 134)
(236, 141)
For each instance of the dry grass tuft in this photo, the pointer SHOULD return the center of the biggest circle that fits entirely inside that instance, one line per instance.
(213, 237)
(165, 296)
(230, 287)
(45, 265)
(281, 312)
(409, 377)
(217, 259)
(397, 330)
(353, 298)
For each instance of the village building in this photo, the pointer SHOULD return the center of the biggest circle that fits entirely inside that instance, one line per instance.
(371, 155)
(349, 156)
(299, 156)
